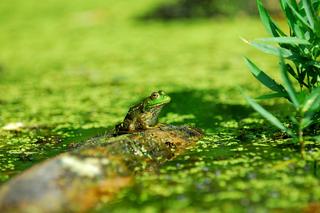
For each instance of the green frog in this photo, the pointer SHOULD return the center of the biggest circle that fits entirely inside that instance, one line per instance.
(143, 115)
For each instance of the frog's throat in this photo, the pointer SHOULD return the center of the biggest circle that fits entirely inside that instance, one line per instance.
(149, 106)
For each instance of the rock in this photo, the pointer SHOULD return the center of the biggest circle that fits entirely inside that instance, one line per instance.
(76, 181)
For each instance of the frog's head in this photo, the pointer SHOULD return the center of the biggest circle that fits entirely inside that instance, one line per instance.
(156, 99)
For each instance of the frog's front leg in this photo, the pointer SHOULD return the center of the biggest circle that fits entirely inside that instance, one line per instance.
(144, 125)
(143, 121)
(159, 125)
(131, 127)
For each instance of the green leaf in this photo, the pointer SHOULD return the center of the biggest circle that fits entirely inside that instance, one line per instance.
(272, 95)
(271, 49)
(312, 102)
(316, 6)
(299, 17)
(270, 26)
(285, 40)
(301, 76)
(293, 3)
(267, 115)
(306, 122)
(264, 78)
(287, 83)
(298, 31)
(310, 15)
(315, 63)
(287, 11)
(291, 71)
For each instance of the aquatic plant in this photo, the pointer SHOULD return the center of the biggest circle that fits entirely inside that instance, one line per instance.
(299, 53)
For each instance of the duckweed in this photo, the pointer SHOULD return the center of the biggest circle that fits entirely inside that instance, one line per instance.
(70, 69)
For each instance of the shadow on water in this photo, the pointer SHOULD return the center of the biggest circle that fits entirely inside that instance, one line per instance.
(191, 9)
(207, 110)
(204, 108)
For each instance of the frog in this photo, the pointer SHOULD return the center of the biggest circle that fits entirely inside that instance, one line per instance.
(143, 115)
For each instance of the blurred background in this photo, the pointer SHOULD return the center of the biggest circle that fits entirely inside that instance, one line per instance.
(70, 69)
(79, 61)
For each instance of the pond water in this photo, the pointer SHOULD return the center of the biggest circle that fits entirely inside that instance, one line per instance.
(70, 71)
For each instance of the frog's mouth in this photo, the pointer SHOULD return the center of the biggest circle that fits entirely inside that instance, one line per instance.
(159, 104)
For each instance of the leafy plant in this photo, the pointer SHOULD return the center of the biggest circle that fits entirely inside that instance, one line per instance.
(306, 105)
(301, 47)
(299, 53)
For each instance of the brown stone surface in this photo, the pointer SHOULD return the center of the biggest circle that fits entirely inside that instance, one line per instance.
(78, 180)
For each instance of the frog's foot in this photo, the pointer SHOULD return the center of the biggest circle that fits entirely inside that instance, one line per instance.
(119, 131)
(123, 132)
(157, 126)
(160, 125)
(130, 131)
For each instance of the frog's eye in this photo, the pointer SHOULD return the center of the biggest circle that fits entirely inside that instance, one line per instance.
(161, 92)
(154, 95)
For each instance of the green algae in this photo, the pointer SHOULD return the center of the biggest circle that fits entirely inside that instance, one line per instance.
(225, 174)
(69, 71)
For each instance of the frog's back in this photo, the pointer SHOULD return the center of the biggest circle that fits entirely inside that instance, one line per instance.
(133, 112)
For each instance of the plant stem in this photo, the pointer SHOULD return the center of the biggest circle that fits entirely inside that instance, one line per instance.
(300, 134)
(302, 151)
(315, 168)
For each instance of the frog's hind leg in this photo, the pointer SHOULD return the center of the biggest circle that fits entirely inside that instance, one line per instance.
(124, 128)
(146, 126)
(160, 125)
